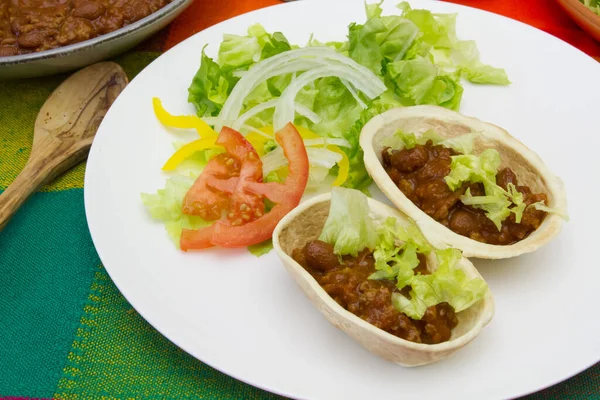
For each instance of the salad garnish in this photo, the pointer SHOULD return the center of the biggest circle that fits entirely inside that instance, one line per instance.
(259, 83)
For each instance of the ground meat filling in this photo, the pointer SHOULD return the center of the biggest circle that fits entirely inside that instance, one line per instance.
(348, 284)
(419, 173)
(28, 26)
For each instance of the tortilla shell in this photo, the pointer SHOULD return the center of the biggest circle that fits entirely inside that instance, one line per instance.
(305, 223)
(527, 165)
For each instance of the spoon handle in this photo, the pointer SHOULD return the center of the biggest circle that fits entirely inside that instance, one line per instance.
(54, 158)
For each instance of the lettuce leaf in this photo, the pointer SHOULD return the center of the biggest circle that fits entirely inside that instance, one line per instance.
(237, 51)
(363, 47)
(474, 169)
(459, 56)
(358, 178)
(447, 284)
(380, 38)
(419, 81)
(396, 251)
(348, 227)
(541, 206)
(271, 44)
(497, 203)
(400, 140)
(210, 87)
(261, 248)
(165, 206)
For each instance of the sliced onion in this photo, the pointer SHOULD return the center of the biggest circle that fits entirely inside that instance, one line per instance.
(273, 160)
(295, 61)
(253, 111)
(317, 175)
(317, 157)
(322, 157)
(327, 141)
(354, 93)
(284, 111)
(306, 112)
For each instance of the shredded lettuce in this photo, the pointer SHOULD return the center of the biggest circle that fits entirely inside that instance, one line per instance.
(394, 260)
(358, 178)
(446, 284)
(261, 248)
(348, 227)
(472, 168)
(541, 206)
(165, 206)
(400, 140)
(497, 203)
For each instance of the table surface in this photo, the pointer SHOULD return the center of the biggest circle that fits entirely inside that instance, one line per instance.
(65, 330)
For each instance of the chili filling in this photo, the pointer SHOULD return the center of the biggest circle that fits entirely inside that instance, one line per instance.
(348, 284)
(28, 26)
(419, 173)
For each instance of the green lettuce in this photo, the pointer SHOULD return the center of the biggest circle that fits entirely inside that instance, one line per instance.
(210, 87)
(270, 44)
(363, 46)
(446, 284)
(419, 81)
(393, 260)
(541, 206)
(400, 140)
(261, 249)
(460, 57)
(214, 81)
(380, 38)
(165, 206)
(348, 227)
(471, 168)
(497, 203)
(358, 178)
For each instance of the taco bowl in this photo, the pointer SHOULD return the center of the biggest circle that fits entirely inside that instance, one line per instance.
(535, 182)
(304, 225)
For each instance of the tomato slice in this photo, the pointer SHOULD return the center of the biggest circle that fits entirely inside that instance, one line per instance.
(245, 206)
(205, 202)
(196, 239)
(287, 196)
(248, 187)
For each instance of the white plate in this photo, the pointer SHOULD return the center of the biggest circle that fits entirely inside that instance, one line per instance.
(246, 317)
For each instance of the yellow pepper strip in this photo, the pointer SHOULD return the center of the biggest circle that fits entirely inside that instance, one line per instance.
(182, 121)
(187, 151)
(306, 134)
(258, 142)
(343, 166)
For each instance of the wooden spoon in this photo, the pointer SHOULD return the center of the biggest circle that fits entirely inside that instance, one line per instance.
(64, 130)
